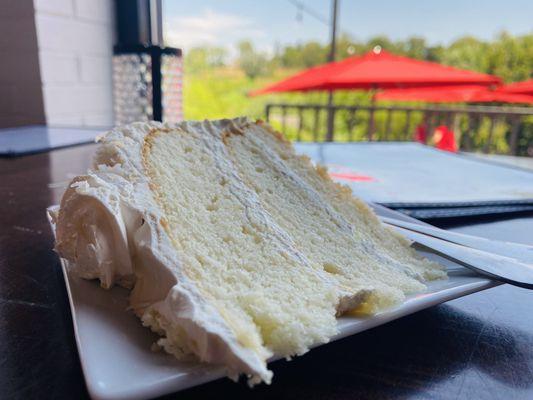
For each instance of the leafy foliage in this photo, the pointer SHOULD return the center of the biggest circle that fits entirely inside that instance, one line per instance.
(203, 58)
(251, 62)
(510, 57)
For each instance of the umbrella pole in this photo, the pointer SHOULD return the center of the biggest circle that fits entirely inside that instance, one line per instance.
(331, 58)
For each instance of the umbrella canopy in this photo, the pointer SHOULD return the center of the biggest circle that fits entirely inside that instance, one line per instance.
(378, 69)
(454, 94)
(525, 87)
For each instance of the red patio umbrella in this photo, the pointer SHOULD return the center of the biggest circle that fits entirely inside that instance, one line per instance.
(378, 69)
(524, 87)
(454, 94)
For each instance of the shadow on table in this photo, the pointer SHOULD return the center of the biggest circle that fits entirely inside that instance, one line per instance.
(428, 354)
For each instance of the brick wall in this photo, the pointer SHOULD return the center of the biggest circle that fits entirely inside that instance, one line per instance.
(75, 40)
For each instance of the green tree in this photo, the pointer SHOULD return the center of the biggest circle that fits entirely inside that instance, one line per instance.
(435, 53)
(202, 58)
(385, 43)
(313, 53)
(468, 53)
(347, 47)
(511, 57)
(416, 47)
(290, 57)
(251, 62)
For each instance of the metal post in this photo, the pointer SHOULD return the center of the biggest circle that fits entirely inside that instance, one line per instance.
(388, 125)
(456, 127)
(515, 130)
(351, 124)
(155, 11)
(132, 22)
(316, 123)
(331, 58)
(157, 103)
(449, 119)
(473, 124)
(300, 124)
(140, 31)
(156, 22)
(371, 119)
(407, 133)
(331, 118)
(333, 38)
(431, 124)
(488, 143)
(456, 122)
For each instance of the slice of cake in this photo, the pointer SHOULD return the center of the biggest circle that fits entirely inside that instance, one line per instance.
(235, 248)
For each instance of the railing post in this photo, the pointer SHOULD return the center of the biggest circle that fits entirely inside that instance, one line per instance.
(515, 130)
(331, 122)
(315, 123)
(370, 132)
(488, 143)
(300, 124)
(283, 118)
(449, 119)
(456, 122)
(473, 123)
(267, 112)
(408, 124)
(351, 123)
(455, 126)
(388, 124)
(429, 116)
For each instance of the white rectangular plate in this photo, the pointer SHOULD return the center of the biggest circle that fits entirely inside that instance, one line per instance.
(115, 349)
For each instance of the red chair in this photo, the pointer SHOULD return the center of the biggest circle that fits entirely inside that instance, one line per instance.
(444, 139)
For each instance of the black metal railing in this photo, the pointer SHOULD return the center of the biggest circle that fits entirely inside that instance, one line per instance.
(482, 128)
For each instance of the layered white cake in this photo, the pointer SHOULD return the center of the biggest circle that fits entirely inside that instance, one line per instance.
(234, 247)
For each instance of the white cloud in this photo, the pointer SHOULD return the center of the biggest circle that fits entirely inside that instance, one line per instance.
(210, 28)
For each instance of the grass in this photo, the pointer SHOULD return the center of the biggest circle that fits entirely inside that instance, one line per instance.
(223, 93)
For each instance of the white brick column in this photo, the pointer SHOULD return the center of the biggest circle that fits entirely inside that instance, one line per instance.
(75, 41)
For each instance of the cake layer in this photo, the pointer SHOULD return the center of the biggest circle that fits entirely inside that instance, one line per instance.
(245, 264)
(236, 248)
(335, 231)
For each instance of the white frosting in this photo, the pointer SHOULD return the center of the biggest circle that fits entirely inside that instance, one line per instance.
(109, 228)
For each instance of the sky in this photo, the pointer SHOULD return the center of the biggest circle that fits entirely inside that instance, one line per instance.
(270, 23)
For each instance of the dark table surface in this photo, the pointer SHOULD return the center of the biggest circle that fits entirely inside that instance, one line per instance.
(476, 347)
